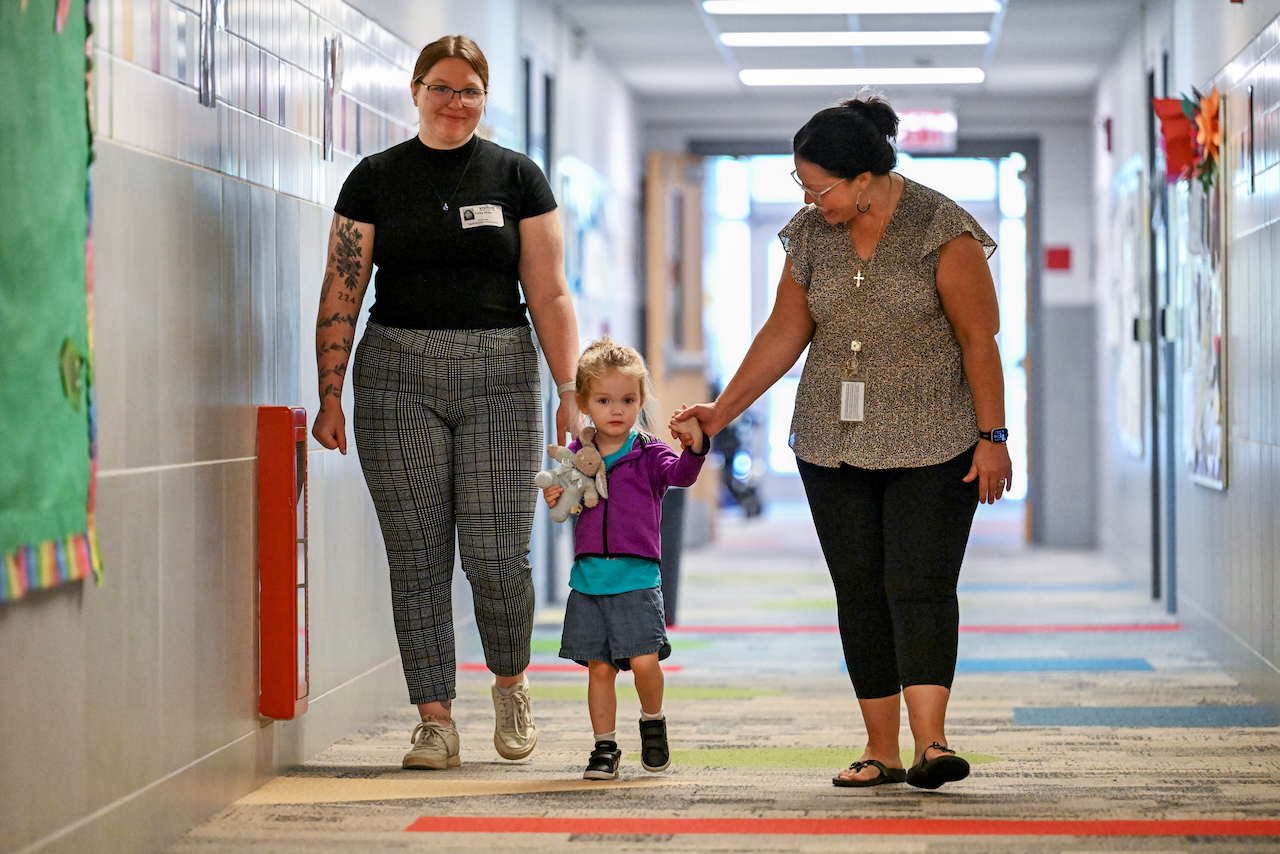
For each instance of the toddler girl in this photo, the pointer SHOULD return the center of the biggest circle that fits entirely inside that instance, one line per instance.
(614, 617)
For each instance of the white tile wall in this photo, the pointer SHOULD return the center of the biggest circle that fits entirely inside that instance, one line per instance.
(267, 125)
(1229, 550)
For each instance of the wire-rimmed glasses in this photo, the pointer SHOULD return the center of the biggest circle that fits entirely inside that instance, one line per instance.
(817, 194)
(441, 95)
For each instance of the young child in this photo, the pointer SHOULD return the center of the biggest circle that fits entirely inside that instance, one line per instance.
(614, 617)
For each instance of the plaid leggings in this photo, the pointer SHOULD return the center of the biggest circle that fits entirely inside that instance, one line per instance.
(449, 431)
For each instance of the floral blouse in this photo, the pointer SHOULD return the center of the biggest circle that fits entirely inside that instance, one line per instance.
(918, 408)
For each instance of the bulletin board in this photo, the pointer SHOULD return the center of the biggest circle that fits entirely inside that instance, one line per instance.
(46, 400)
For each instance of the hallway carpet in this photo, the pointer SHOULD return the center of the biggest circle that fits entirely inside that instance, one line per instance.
(1092, 723)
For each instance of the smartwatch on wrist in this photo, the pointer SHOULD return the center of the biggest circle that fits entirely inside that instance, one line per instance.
(997, 435)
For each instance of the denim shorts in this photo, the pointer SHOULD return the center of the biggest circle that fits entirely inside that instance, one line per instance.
(615, 627)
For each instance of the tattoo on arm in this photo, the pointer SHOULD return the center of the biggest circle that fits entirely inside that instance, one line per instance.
(345, 258)
(336, 331)
(338, 319)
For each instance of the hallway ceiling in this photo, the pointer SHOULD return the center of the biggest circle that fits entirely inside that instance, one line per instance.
(671, 54)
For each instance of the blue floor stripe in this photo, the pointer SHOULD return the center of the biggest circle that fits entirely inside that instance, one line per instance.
(1025, 665)
(1107, 587)
(1002, 665)
(1148, 716)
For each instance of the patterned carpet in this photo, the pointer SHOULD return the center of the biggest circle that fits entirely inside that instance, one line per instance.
(1093, 724)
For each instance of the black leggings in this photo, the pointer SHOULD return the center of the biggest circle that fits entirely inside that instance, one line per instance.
(894, 540)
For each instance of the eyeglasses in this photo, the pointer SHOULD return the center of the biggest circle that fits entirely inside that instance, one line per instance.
(441, 95)
(817, 194)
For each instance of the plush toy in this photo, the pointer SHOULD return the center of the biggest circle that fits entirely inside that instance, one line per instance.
(581, 475)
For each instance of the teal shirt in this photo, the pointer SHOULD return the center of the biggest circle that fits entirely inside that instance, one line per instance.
(599, 576)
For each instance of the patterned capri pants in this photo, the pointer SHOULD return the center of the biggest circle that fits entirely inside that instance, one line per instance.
(449, 430)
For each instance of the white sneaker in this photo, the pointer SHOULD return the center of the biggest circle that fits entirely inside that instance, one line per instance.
(435, 745)
(514, 733)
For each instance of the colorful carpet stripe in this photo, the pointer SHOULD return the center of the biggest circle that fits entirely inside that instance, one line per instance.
(1048, 665)
(1147, 716)
(842, 826)
(998, 629)
(567, 667)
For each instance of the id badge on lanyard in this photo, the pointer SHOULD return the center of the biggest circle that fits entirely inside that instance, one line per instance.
(853, 388)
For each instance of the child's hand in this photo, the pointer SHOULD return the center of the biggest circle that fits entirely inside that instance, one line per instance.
(689, 432)
(552, 494)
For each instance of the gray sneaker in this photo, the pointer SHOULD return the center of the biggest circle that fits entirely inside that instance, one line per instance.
(435, 745)
(514, 733)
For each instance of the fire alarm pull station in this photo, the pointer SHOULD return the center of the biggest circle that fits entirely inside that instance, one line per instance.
(282, 561)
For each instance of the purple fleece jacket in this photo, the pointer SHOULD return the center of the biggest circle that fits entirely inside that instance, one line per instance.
(627, 522)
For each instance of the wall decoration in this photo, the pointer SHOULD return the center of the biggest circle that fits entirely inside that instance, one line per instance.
(46, 377)
(1204, 333)
(1191, 129)
(1126, 285)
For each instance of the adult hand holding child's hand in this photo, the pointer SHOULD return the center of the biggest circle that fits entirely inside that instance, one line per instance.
(687, 431)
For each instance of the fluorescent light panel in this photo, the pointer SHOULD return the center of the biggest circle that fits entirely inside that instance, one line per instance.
(859, 39)
(859, 76)
(850, 7)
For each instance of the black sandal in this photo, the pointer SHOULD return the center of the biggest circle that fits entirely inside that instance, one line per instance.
(603, 764)
(886, 775)
(934, 772)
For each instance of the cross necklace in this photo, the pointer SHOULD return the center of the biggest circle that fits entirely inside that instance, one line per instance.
(855, 346)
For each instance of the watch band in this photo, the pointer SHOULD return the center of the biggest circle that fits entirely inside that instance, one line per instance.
(995, 434)
(569, 386)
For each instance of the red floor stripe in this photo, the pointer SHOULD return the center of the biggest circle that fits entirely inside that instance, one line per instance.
(477, 666)
(736, 630)
(1001, 629)
(834, 826)
(1108, 627)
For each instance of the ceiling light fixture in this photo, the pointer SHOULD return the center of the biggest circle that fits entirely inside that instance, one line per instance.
(862, 38)
(859, 76)
(850, 7)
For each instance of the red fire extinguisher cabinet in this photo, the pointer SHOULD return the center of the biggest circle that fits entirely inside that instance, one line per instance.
(282, 561)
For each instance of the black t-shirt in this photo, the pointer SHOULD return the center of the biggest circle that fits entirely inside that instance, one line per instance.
(446, 269)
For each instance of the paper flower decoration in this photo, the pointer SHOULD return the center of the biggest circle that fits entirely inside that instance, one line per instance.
(1192, 135)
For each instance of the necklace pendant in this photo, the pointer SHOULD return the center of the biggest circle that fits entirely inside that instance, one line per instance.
(446, 206)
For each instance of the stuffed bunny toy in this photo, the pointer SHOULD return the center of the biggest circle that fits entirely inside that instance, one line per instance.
(581, 475)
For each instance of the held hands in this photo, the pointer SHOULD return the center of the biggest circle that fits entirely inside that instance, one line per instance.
(687, 430)
(992, 469)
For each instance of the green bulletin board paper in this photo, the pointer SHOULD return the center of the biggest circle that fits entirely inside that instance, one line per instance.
(44, 152)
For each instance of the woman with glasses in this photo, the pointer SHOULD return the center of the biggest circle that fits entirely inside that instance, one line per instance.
(448, 405)
(898, 425)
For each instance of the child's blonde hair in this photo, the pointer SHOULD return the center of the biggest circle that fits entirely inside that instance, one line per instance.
(607, 355)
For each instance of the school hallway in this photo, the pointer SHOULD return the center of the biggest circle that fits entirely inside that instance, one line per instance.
(1092, 722)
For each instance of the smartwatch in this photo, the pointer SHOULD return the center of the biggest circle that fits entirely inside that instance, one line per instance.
(998, 435)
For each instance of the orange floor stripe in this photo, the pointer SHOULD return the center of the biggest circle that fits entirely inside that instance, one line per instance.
(840, 826)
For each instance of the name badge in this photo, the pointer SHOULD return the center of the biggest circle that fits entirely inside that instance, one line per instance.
(853, 394)
(474, 216)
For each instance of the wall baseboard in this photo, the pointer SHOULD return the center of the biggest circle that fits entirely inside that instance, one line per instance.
(153, 817)
(1255, 673)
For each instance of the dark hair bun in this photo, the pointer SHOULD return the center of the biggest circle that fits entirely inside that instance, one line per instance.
(850, 139)
(877, 111)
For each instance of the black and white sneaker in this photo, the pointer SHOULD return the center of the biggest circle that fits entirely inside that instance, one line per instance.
(604, 761)
(655, 755)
